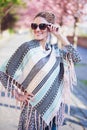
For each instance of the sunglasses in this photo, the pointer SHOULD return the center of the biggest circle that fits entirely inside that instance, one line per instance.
(41, 26)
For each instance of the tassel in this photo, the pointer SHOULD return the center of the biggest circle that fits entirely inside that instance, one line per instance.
(1, 89)
(51, 123)
(8, 83)
(56, 121)
(42, 125)
(39, 118)
(60, 116)
(11, 89)
(49, 127)
(16, 101)
(28, 119)
(35, 120)
(6, 90)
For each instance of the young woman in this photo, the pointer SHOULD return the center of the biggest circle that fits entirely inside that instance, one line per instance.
(39, 68)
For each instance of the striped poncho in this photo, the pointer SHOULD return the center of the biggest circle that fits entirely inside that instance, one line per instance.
(40, 72)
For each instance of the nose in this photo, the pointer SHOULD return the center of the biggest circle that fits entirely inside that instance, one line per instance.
(37, 29)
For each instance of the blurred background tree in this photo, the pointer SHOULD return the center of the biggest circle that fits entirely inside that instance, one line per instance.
(69, 13)
(7, 13)
(66, 11)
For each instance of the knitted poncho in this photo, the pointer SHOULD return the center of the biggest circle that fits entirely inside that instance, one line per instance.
(40, 72)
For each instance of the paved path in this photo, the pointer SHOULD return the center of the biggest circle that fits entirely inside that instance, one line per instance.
(77, 120)
(83, 53)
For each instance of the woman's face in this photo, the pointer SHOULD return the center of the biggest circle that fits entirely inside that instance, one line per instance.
(41, 31)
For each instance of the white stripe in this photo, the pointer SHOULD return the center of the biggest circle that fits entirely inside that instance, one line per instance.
(34, 58)
(42, 73)
(24, 62)
(41, 93)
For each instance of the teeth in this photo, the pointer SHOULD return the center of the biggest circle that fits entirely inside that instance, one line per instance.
(39, 34)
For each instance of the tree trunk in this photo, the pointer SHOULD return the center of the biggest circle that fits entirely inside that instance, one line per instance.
(0, 26)
(75, 37)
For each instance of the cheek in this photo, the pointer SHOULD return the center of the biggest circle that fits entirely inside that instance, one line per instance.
(43, 35)
(45, 32)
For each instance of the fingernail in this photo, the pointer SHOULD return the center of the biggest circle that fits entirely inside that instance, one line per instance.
(30, 95)
(25, 91)
(57, 29)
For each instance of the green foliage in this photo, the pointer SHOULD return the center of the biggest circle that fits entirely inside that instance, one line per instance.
(84, 82)
(11, 31)
(5, 3)
(6, 7)
(81, 64)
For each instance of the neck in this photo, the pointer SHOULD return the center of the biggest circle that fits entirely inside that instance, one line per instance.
(43, 42)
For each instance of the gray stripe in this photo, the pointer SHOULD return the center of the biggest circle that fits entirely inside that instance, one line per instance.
(46, 77)
(18, 56)
(48, 99)
(37, 67)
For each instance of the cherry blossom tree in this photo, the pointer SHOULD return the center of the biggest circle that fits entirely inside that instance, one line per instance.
(65, 10)
(68, 12)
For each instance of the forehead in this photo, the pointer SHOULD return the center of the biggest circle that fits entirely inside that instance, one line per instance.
(40, 20)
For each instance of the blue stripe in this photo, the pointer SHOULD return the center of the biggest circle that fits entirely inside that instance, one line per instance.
(9, 106)
(45, 87)
(56, 103)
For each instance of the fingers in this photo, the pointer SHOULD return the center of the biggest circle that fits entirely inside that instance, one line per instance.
(28, 94)
(23, 97)
(53, 28)
(27, 98)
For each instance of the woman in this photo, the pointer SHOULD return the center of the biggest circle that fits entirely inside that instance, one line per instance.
(38, 66)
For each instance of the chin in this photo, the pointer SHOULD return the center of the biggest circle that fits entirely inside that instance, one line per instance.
(39, 38)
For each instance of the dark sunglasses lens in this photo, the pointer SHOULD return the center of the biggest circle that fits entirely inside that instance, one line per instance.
(34, 26)
(42, 26)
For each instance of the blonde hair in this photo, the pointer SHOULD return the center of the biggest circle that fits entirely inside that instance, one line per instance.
(50, 17)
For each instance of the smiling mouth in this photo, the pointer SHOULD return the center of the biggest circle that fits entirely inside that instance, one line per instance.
(38, 34)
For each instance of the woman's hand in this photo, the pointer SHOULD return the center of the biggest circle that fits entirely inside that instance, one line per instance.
(22, 97)
(55, 30)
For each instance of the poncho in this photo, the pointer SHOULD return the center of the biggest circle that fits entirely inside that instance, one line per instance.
(40, 72)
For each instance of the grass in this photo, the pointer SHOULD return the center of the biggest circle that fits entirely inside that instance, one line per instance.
(81, 64)
(84, 82)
